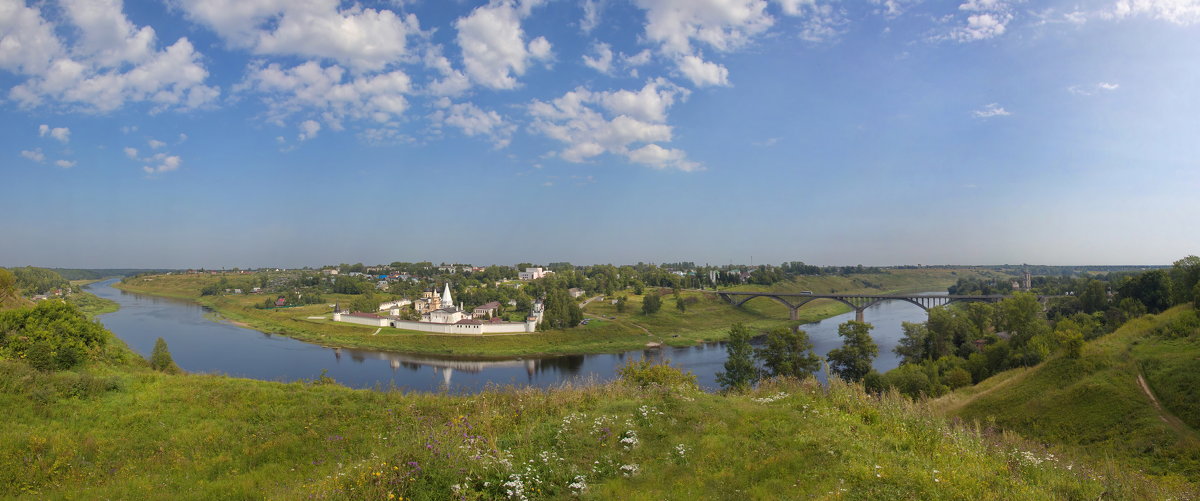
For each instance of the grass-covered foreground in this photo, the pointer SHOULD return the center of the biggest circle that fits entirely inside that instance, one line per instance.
(103, 425)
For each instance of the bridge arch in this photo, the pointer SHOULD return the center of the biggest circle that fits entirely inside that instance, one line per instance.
(769, 296)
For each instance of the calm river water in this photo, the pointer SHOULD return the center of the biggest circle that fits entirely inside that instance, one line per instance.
(200, 345)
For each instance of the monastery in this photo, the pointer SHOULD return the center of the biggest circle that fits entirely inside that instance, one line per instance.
(440, 316)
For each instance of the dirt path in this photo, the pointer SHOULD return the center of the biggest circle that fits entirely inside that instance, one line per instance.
(1165, 416)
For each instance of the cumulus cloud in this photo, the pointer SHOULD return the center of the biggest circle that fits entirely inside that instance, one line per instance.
(162, 162)
(362, 39)
(453, 82)
(1181, 12)
(131, 152)
(591, 15)
(111, 63)
(329, 91)
(308, 130)
(62, 134)
(703, 73)
(626, 123)
(820, 21)
(991, 110)
(155, 144)
(66, 164)
(36, 155)
(985, 19)
(602, 62)
(493, 44)
(474, 121)
(677, 25)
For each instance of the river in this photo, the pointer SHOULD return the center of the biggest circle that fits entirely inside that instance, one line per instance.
(200, 345)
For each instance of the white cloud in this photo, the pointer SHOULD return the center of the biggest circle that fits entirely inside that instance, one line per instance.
(991, 110)
(36, 155)
(1181, 12)
(62, 134)
(603, 60)
(329, 92)
(163, 163)
(474, 121)
(892, 8)
(453, 82)
(633, 122)
(113, 62)
(820, 20)
(703, 73)
(308, 130)
(723, 25)
(591, 15)
(639, 59)
(155, 144)
(361, 38)
(131, 152)
(182, 137)
(985, 19)
(1089, 90)
(493, 43)
(66, 164)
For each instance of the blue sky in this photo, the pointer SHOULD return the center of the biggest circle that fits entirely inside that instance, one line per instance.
(193, 133)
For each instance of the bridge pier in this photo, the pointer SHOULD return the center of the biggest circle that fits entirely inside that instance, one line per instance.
(858, 314)
(795, 313)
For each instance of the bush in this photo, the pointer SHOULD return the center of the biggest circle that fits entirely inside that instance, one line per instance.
(644, 373)
(651, 304)
(50, 336)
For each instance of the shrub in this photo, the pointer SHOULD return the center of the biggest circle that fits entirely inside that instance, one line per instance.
(644, 373)
(50, 336)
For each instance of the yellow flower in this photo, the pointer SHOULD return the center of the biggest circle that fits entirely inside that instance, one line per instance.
(390, 495)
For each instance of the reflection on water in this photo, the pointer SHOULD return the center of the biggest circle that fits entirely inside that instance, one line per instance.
(199, 344)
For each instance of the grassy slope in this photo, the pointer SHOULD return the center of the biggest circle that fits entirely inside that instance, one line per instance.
(1095, 403)
(706, 320)
(130, 433)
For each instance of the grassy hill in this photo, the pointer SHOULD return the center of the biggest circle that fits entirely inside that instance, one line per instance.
(1130, 397)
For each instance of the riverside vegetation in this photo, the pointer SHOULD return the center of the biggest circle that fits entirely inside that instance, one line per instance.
(611, 327)
(110, 426)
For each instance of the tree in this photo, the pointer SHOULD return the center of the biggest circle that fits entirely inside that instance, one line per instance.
(651, 304)
(914, 346)
(788, 352)
(638, 287)
(561, 311)
(8, 284)
(366, 303)
(853, 360)
(1152, 289)
(1093, 297)
(1021, 316)
(1185, 275)
(160, 358)
(621, 304)
(680, 304)
(1196, 296)
(740, 372)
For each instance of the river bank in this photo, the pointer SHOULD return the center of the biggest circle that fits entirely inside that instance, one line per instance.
(707, 319)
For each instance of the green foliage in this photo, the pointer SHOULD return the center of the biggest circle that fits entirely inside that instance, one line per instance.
(853, 360)
(1072, 343)
(52, 336)
(621, 304)
(1152, 289)
(367, 303)
(740, 370)
(38, 280)
(1196, 296)
(561, 311)
(644, 373)
(651, 303)
(160, 358)
(788, 352)
(1185, 278)
(680, 304)
(1093, 297)
(8, 284)
(1021, 316)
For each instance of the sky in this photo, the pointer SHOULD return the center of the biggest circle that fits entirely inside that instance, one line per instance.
(249, 133)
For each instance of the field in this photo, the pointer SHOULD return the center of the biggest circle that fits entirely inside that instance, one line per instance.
(126, 432)
(1097, 405)
(707, 318)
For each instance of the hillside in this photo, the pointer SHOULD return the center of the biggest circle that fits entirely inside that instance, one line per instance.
(1098, 405)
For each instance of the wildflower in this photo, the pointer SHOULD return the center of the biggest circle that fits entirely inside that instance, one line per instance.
(630, 470)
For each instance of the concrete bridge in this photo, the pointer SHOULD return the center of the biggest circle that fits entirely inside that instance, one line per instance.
(860, 302)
